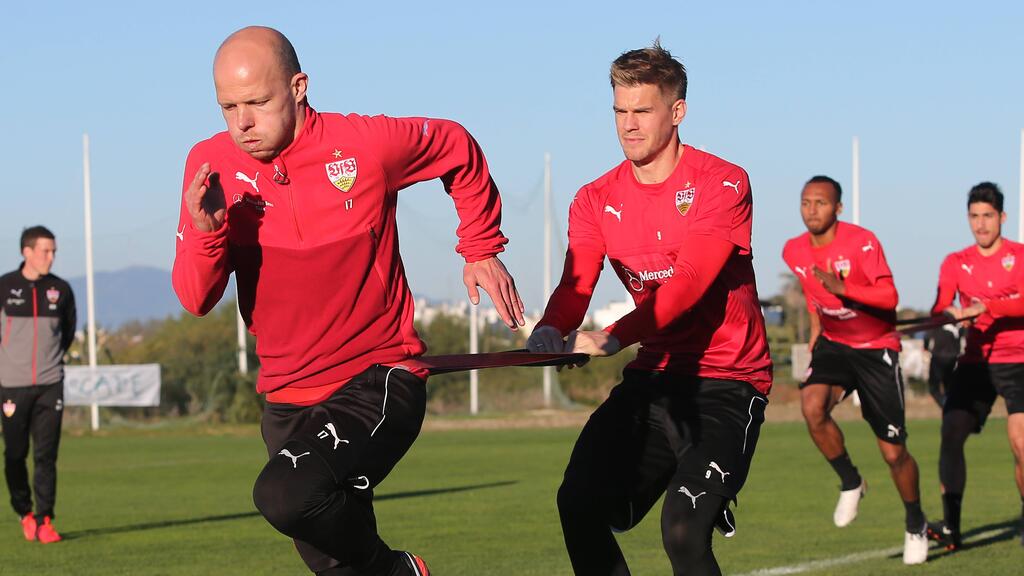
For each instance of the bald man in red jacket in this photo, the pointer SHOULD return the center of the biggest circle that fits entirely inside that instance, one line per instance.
(300, 206)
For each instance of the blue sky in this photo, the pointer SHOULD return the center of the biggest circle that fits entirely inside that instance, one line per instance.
(933, 90)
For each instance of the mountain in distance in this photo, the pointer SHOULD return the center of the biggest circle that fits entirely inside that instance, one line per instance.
(142, 293)
(134, 293)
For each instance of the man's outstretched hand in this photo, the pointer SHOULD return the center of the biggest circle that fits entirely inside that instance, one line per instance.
(491, 275)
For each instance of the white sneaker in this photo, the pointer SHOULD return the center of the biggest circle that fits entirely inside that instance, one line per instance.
(915, 547)
(849, 500)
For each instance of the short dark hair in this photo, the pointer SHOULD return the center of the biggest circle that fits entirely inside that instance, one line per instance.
(988, 193)
(653, 65)
(820, 179)
(30, 235)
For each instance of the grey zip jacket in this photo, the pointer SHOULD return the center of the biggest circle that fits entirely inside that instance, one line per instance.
(37, 325)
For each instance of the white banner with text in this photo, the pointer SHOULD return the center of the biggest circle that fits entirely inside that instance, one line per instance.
(112, 385)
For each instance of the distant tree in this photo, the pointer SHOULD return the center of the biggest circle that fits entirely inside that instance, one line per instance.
(447, 334)
(198, 361)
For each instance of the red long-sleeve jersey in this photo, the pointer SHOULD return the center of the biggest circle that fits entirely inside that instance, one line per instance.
(997, 336)
(866, 316)
(312, 239)
(682, 250)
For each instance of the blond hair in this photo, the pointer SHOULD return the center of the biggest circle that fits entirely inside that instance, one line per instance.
(654, 65)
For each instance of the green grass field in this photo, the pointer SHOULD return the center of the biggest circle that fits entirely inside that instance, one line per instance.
(478, 502)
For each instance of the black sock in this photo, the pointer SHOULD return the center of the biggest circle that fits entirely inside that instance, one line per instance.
(915, 516)
(951, 504)
(848, 475)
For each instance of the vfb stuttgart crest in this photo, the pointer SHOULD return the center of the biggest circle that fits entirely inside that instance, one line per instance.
(842, 268)
(53, 295)
(342, 173)
(684, 199)
(1008, 262)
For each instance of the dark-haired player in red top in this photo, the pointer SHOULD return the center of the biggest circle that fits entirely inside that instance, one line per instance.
(675, 224)
(854, 346)
(988, 276)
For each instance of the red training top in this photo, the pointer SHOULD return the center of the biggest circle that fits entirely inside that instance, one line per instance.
(866, 316)
(996, 336)
(312, 239)
(682, 250)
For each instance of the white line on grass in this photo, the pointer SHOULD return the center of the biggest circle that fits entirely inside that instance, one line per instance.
(852, 558)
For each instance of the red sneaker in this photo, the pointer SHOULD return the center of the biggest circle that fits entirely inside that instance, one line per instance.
(47, 534)
(28, 526)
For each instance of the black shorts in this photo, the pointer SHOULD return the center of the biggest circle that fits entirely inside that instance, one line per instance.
(876, 376)
(975, 387)
(657, 432)
(373, 420)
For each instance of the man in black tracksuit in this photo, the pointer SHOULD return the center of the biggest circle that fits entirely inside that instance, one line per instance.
(37, 325)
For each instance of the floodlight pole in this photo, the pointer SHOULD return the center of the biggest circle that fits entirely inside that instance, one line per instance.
(243, 351)
(474, 375)
(856, 213)
(1020, 220)
(856, 181)
(548, 371)
(90, 295)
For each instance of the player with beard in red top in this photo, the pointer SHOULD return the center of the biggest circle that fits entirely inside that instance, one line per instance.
(988, 276)
(674, 223)
(854, 347)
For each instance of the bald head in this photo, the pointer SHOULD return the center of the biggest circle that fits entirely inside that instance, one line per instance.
(269, 44)
(261, 90)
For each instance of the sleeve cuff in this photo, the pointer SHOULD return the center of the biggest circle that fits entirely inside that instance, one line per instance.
(481, 250)
(206, 241)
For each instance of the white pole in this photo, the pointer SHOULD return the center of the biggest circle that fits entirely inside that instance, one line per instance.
(474, 377)
(856, 213)
(548, 370)
(1020, 220)
(90, 296)
(856, 180)
(243, 356)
